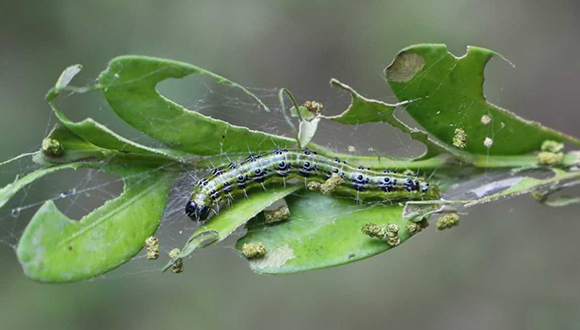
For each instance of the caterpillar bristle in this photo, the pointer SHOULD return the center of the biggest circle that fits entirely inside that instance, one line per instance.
(281, 166)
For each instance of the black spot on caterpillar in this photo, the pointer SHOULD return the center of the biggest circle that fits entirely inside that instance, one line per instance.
(283, 166)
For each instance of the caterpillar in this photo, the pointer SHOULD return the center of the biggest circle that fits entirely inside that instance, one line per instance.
(283, 166)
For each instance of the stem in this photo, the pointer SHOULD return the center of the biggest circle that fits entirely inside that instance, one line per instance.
(288, 119)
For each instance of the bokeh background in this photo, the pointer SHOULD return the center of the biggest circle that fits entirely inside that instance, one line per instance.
(510, 265)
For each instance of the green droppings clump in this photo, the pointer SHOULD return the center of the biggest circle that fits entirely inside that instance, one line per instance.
(152, 245)
(447, 221)
(393, 235)
(374, 230)
(177, 266)
(550, 158)
(413, 227)
(330, 185)
(279, 214)
(552, 146)
(313, 186)
(390, 232)
(52, 147)
(254, 250)
(552, 153)
(460, 138)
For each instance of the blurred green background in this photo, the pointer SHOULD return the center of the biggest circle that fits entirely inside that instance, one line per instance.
(510, 265)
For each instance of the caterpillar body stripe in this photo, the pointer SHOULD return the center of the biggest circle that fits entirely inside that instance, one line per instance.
(283, 166)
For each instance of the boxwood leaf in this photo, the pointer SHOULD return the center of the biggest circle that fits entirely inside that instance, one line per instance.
(225, 223)
(323, 231)
(97, 134)
(448, 94)
(11, 189)
(364, 110)
(129, 86)
(54, 248)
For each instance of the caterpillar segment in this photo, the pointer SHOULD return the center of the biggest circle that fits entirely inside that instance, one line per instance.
(283, 167)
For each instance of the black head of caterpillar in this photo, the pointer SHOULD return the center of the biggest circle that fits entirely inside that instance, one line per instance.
(197, 212)
(282, 166)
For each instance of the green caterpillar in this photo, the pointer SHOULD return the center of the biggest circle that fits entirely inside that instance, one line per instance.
(283, 166)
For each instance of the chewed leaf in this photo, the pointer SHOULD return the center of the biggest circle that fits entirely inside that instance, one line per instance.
(449, 102)
(129, 86)
(227, 221)
(562, 201)
(492, 187)
(11, 189)
(363, 110)
(312, 238)
(54, 248)
(97, 135)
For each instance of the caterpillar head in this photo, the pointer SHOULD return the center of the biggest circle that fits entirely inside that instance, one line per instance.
(197, 212)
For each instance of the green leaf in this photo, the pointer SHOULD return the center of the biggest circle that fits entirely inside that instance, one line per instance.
(529, 184)
(129, 86)
(484, 189)
(561, 201)
(322, 231)
(225, 223)
(77, 150)
(54, 248)
(302, 113)
(100, 136)
(97, 134)
(62, 83)
(11, 189)
(74, 149)
(448, 94)
(364, 110)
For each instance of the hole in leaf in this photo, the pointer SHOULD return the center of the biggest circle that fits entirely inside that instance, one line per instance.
(221, 101)
(76, 193)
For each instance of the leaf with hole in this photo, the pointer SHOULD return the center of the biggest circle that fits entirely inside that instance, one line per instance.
(447, 94)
